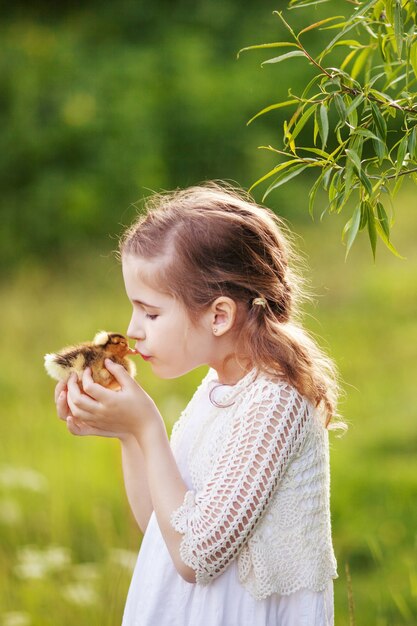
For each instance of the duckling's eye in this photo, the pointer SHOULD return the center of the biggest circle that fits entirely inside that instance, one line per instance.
(150, 317)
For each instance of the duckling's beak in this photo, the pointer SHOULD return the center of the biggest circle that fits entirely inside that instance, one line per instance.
(132, 351)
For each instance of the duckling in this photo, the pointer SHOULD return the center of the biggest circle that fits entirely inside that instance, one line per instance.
(105, 345)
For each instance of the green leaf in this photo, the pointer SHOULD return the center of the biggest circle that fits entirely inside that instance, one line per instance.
(348, 176)
(364, 132)
(301, 123)
(380, 149)
(321, 153)
(401, 152)
(331, 86)
(309, 85)
(349, 42)
(379, 121)
(398, 27)
(351, 110)
(364, 216)
(313, 192)
(316, 127)
(383, 218)
(365, 182)
(334, 188)
(320, 23)
(263, 46)
(387, 242)
(388, 4)
(352, 228)
(282, 57)
(340, 107)
(272, 107)
(323, 122)
(275, 170)
(412, 143)
(354, 157)
(284, 178)
(382, 97)
(413, 57)
(371, 228)
(326, 178)
(330, 45)
(298, 4)
(360, 62)
(348, 58)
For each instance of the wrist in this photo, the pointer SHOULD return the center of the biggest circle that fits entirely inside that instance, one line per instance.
(127, 439)
(151, 433)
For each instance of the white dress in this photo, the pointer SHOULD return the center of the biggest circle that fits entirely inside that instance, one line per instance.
(158, 596)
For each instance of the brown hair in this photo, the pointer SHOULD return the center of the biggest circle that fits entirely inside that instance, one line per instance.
(214, 240)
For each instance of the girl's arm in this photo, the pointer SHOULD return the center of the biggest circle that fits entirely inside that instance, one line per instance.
(133, 414)
(219, 519)
(136, 485)
(134, 472)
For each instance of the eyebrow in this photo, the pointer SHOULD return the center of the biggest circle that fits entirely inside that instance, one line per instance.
(151, 306)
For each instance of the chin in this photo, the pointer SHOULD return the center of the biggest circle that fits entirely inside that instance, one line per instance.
(170, 374)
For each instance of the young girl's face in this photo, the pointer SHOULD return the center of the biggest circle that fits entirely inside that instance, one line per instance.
(160, 325)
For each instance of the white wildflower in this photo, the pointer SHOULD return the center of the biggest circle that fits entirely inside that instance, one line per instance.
(12, 477)
(124, 558)
(36, 563)
(16, 618)
(82, 594)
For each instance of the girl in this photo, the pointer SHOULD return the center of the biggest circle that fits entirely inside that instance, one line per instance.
(235, 510)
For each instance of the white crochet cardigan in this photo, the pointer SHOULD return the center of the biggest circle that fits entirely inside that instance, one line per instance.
(260, 478)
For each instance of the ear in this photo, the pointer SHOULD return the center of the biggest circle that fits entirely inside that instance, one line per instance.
(223, 313)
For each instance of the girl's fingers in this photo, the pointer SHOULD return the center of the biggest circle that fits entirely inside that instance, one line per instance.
(60, 387)
(80, 413)
(74, 426)
(94, 390)
(81, 429)
(62, 406)
(119, 372)
(82, 407)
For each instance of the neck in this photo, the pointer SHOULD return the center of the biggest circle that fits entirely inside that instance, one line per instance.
(231, 372)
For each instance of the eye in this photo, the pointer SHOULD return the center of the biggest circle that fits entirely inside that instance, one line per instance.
(150, 317)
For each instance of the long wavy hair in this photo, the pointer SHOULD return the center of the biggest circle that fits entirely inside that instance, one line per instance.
(213, 240)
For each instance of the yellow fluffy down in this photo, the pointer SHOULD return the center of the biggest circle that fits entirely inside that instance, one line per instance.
(60, 373)
(101, 338)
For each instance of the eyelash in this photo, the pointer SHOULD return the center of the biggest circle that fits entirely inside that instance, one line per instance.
(151, 317)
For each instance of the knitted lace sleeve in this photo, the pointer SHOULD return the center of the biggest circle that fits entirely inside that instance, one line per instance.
(219, 519)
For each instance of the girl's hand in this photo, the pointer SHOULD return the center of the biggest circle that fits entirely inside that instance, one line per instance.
(127, 411)
(75, 426)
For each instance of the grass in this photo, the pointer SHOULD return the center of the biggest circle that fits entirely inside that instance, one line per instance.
(67, 537)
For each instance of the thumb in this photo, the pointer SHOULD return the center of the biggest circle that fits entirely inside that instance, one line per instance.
(119, 372)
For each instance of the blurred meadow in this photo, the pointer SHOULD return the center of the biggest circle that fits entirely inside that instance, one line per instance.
(102, 102)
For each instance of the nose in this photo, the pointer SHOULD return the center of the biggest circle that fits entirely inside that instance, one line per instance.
(135, 329)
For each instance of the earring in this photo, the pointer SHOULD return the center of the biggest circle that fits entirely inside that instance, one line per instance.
(214, 330)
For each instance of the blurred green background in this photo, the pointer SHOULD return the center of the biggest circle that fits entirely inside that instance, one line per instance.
(100, 104)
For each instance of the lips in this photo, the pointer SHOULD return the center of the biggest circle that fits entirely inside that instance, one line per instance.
(133, 351)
